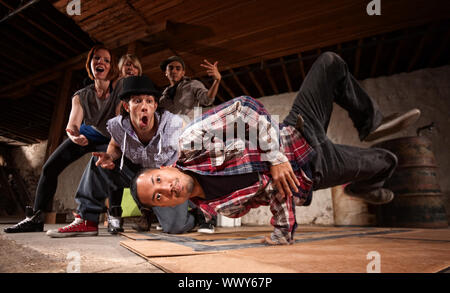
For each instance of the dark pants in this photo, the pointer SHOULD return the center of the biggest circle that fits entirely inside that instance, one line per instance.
(97, 184)
(328, 81)
(66, 153)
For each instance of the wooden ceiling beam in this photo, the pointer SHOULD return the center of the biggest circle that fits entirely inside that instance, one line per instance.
(208, 85)
(269, 76)
(9, 37)
(375, 61)
(339, 49)
(11, 133)
(135, 48)
(67, 32)
(41, 28)
(39, 40)
(20, 60)
(425, 38)
(255, 81)
(438, 52)
(12, 70)
(286, 76)
(46, 75)
(229, 91)
(62, 103)
(244, 90)
(358, 58)
(302, 66)
(397, 53)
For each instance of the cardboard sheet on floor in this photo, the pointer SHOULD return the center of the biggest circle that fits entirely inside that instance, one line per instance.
(422, 234)
(321, 249)
(345, 255)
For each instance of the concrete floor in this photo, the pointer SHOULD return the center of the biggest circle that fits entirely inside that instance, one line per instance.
(41, 253)
(36, 252)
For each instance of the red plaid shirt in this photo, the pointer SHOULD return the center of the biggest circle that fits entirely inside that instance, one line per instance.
(240, 137)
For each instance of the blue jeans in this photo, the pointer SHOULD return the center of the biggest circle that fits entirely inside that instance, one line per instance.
(65, 154)
(329, 81)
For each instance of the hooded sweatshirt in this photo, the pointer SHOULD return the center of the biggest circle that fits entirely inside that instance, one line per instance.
(162, 150)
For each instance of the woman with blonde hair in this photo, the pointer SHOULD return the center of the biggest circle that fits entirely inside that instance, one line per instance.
(129, 65)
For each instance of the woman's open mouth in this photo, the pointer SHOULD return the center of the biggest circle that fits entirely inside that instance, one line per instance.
(99, 69)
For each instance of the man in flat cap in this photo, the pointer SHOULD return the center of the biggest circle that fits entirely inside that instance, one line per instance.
(184, 93)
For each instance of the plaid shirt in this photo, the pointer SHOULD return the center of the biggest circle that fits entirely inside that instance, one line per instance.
(240, 137)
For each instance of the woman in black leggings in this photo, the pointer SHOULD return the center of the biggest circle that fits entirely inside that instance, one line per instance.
(92, 107)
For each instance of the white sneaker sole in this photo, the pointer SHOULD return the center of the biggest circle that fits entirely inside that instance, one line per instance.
(56, 234)
(396, 125)
(367, 198)
(205, 231)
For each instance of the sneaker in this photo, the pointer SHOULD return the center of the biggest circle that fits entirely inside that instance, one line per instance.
(78, 227)
(207, 228)
(115, 223)
(143, 223)
(29, 224)
(200, 221)
(376, 197)
(394, 123)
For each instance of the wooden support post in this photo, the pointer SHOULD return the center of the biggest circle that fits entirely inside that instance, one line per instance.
(244, 90)
(59, 114)
(422, 42)
(272, 82)
(440, 50)
(229, 91)
(357, 58)
(286, 75)
(373, 69)
(255, 81)
(302, 66)
(398, 51)
(135, 48)
(56, 132)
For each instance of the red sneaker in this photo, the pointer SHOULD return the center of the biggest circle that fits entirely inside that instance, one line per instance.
(78, 227)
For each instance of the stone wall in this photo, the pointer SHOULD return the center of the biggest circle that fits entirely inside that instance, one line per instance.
(30, 159)
(428, 90)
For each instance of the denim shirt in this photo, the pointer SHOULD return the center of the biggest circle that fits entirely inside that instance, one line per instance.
(162, 150)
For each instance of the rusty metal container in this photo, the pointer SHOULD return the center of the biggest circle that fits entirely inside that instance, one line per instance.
(418, 201)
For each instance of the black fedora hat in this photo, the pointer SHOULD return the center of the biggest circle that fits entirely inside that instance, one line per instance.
(164, 64)
(138, 85)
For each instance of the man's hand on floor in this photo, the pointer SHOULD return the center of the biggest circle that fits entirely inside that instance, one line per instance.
(284, 179)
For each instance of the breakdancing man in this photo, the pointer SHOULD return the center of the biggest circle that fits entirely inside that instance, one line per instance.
(266, 163)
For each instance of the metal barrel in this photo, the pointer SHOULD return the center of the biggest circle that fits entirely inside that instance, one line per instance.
(418, 201)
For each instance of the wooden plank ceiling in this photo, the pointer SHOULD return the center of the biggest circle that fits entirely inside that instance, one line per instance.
(264, 47)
